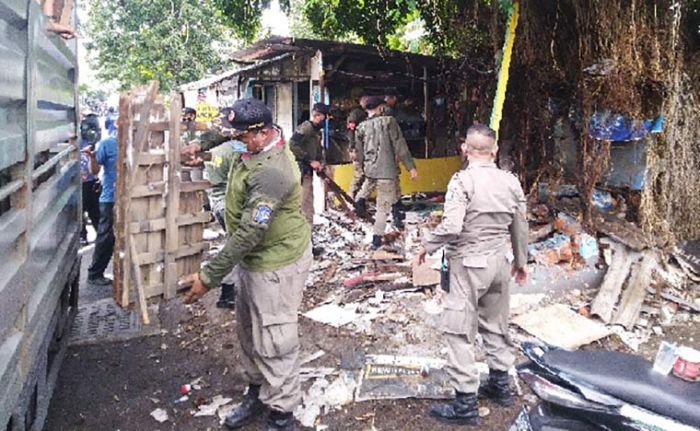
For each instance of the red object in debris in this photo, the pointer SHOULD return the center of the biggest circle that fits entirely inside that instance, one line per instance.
(687, 366)
(584, 311)
(359, 279)
(185, 389)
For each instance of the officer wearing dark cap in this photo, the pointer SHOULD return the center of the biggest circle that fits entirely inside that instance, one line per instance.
(391, 100)
(308, 150)
(380, 147)
(269, 239)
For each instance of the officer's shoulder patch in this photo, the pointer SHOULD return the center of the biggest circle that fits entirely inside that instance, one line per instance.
(262, 214)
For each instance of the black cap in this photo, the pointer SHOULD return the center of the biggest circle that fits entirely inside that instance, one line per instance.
(374, 101)
(190, 111)
(322, 108)
(249, 114)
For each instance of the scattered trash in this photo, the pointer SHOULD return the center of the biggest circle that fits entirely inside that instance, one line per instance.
(558, 325)
(323, 396)
(523, 302)
(602, 200)
(397, 377)
(551, 251)
(425, 274)
(687, 366)
(181, 400)
(312, 357)
(333, 314)
(159, 415)
(212, 408)
(665, 358)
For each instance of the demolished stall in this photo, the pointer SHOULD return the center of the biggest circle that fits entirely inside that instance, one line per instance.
(39, 210)
(439, 97)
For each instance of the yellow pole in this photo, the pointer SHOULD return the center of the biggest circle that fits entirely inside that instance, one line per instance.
(500, 97)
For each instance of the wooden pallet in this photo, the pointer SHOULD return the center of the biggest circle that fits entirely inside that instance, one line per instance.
(159, 215)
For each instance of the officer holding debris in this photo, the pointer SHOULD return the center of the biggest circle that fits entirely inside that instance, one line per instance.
(270, 239)
(380, 146)
(356, 116)
(308, 150)
(484, 212)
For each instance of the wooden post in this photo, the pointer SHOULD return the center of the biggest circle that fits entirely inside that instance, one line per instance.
(138, 282)
(172, 207)
(426, 110)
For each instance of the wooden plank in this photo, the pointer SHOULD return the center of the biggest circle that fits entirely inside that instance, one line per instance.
(122, 272)
(139, 285)
(610, 289)
(633, 297)
(152, 189)
(155, 126)
(160, 223)
(621, 231)
(194, 186)
(151, 159)
(173, 200)
(148, 258)
(156, 173)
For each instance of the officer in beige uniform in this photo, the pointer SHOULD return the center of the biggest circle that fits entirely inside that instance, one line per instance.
(380, 146)
(484, 216)
(356, 116)
(269, 239)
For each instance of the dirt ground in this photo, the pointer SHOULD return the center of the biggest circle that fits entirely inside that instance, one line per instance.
(116, 385)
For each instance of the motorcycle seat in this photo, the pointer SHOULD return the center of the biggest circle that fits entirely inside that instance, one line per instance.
(631, 379)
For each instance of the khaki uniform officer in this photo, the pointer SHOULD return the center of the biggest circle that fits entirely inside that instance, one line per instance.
(484, 212)
(356, 116)
(380, 145)
(270, 239)
(308, 151)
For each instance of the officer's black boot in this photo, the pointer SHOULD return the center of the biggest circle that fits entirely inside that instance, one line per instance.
(463, 410)
(376, 241)
(397, 215)
(228, 296)
(246, 413)
(280, 421)
(361, 208)
(497, 388)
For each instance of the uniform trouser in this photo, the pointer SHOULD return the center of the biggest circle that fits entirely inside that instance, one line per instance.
(357, 179)
(307, 199)
(387, 195)
(91, 205)
(266, 315)
(104, 243)
(478, 301)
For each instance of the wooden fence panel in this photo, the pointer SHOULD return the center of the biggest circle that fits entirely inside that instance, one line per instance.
(159, 217)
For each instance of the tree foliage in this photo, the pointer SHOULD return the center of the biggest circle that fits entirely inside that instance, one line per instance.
(171, 41)
(243, 16)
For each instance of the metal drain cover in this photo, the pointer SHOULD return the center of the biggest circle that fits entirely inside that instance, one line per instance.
(104, 320)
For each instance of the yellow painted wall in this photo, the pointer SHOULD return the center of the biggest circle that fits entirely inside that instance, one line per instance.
(433, 175)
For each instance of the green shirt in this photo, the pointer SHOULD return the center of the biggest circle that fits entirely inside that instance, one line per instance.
(306, 143)
(267, 229)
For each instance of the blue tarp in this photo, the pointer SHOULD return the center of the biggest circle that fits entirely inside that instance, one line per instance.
(618, 127)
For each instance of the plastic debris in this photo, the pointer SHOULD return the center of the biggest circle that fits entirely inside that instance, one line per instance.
(160, 415)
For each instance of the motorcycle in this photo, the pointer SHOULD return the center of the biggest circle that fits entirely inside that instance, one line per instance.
(603, 390)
